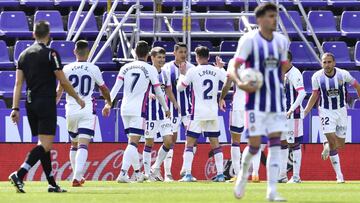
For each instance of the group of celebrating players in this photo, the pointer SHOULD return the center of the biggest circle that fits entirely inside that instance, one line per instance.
(158, 98)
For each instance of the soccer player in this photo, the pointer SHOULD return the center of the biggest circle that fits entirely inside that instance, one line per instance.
(39, 66)
(180, 111)
(81, 122)
(330, 84)
(136, 77)
(156, 122)
(266, 51)
(294, 95)
(205, 80)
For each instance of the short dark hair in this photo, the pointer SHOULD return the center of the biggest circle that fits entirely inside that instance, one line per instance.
(82, 47)
(142, 49)
(41, 29)
(157, 50)
(261, 10)
(202, 52)
(178, 45)
(329, 54)
(289, 56)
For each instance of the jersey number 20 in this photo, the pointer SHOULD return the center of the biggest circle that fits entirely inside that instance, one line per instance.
(84, 82)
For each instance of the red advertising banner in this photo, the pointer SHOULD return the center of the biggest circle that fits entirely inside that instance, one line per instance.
(105, 160)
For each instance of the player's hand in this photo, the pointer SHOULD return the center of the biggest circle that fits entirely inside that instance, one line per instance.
(176, 106)
(15, 116)
(182, 68)
(152, 96)
(106, 110)
(222, 105)
(306, 111)
(167, 114)
(247, 87)
(81, 103)
(219, 62)
(289, 113)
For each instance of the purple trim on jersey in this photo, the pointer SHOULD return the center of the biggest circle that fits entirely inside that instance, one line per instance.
(83, 146)
(153, 109)
(173, 83)
(93, 105)
(182, 103)
(165, 149)
(193, 134)
(325, 101)
(287, 95)
(297, 111)
(217, 150)
(253, 150)
(193, 104)
(134, 131)
(262, 70)
(147, 149)
(73, 135)
(212, 134)
(236, 129)
(333, 152)
(341, 90)
(189, 149)
(332, 86)
(144, 112)
(274, 142)
(188, 91)
(272, 91)
(74, 149)
(86, 131)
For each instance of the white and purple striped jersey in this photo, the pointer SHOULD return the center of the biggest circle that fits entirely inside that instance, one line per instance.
(205, 83)
(265, 56)
(183, 98)
(293, 84)
(332, 89)
(154, 110)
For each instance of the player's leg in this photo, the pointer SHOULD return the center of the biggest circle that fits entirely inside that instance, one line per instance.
(284, 159)
(256, 166)
(236, 128)
(296, 150)
(72, 152)
(81, 156)
(168, 161)
(150, 133)
(72, 127)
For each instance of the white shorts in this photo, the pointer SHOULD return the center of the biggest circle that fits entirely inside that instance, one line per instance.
(176, 121)
(295, 130)
(210, 128)
(334, 121)
(81, 125)
(264, 123)
(237, 121)
(134, 125)
(159, 128)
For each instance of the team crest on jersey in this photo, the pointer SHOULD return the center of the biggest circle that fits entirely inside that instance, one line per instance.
(271, 62)
(332, 92)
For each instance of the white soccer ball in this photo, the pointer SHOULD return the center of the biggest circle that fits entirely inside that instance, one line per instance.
(253, 76)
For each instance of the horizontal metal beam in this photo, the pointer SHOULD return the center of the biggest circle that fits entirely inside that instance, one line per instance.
(193, 34)
(193, 15)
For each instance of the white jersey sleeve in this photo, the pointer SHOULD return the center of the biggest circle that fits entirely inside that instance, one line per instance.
(244, 47)
(296, 79)
(222, 75)
(98, 76)
(314, 82)
(349, 78)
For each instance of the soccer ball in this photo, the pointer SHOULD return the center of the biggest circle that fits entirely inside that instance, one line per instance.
(251, 75)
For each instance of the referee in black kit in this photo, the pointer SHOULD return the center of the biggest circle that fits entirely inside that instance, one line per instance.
(39, 66)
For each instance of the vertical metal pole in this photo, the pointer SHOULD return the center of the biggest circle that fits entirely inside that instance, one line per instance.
(188, 30)
(76, 19)
(247, 7)
(86, 19)
(108, 6)
(137, 29)
(184, 21)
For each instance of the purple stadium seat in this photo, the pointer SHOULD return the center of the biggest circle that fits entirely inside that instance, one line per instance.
(142, 2)
(208, 2)
(105, 61)
(341, 52)
(38, 3)
(9, 3)
(314, 3)
(20, 46)
(350, 24)
(302, 57)
(126, 29)
(208, 44)
(237, 3)
(7, 79)
(356, 104)
(2, 104)
(227, 46)
(55, 20)
(289, 26)
(102, 3)
(22, 104)
(351, 90)
(99, 103)
(357, 54)
(307, 81)
(172, 3)
(323, 23)
(61, 104)
(91, 28)
(146, 24)
(219, 25)
(110, 79)
(65, 50)
(167, 45)
(4, 56)
(14, 24)
(67, 3)
(251, 19)
(344, 3)
(176, 24)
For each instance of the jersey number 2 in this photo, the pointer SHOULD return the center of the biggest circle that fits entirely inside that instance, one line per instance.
(209, 84)
(84, 82)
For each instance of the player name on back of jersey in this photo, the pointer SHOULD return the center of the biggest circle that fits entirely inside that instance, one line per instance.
(77, 67)
(207, 72)
(137, 66)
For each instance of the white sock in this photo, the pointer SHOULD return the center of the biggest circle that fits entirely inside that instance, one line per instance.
(219, 160)
(248, 154)
(147, 160)
(128, 157)
(256, 163)
(72, 156)
(168, 162)
(81, 157)
(195, 149)
(284, 161)
(272, 164)
(297, 162)
(235, 157)
(188, 159)
(335, 162)
(162, 153)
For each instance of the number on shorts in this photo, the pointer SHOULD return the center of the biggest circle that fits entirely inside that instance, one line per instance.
(150, 125)
(174, 120)
(325, 121)
(252, 117)
(210, 85)
(84, 82)
(136, 79)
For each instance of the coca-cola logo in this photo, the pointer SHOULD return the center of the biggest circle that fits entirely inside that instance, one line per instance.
(211, 171)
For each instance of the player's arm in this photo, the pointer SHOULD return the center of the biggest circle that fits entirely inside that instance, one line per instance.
(351, 80)
(171, 96)
(64, 82)
(118, 84)
(105, 93)
(160, 97)
(184, 79)
(357, 87)
(59, 92)
(15, 116)
(313, 98)
(224, 91)
(299, 87)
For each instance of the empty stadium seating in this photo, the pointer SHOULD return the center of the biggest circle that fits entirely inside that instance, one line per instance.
(14, 24)
(55, 20)
(65, 49)
(302, 57)
(323, 23)
(91, 29)
(340, 50)
(4, 56)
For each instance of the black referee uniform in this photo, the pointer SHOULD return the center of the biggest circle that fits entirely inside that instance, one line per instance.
(38, 62)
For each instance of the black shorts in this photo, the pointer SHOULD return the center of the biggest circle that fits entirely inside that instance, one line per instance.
(42, 116)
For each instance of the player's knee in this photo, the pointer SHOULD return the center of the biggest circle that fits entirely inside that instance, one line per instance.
(235, 137)
(47, 146)
(149, 142)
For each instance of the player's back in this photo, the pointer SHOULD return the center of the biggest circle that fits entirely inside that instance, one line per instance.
(205, 80)
(83, 76)
(136, 76)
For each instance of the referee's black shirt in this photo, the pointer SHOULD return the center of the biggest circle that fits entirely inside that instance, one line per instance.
(38, 62)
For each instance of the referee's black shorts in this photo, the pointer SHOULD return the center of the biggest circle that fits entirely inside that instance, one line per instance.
(42, 116)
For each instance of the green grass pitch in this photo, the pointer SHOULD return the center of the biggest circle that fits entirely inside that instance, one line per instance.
(109, 192)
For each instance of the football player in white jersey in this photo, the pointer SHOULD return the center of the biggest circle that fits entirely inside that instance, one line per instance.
(157, 124)
(81, 122)
(205, 80)
(264, 50)
(330, 84)
(294, 96)
(180, 110)
(137, 77)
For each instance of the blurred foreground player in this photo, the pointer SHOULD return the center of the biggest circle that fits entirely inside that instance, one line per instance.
(39, 66)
